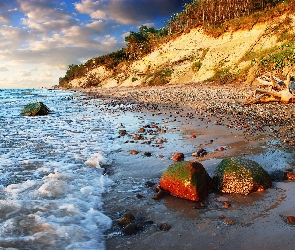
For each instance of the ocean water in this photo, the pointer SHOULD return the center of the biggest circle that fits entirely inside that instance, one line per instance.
(51, 171)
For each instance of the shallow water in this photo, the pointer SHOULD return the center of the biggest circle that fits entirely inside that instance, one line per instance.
(51, 175)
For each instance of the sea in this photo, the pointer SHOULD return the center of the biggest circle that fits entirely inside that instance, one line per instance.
(52, 177)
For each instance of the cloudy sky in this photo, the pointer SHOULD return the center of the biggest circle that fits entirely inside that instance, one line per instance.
(40, 38)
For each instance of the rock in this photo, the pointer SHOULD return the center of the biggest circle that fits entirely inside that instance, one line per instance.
(141, 130)
(188, 180)
(33, 109)
(150, 183)
(138, 137)
(126, 219)
(160, 193)
(133, 152)
(130, 229)
(291, 220)
(229, 222)
(159, 141)
(240, 175)
(200, 153)
(178, 157)
(226, 204)
(278, 175)
(164, 226)
(122, 132)
(290, 176)
(148, 154)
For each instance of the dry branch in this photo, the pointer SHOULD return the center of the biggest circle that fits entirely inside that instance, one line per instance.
(278, 90)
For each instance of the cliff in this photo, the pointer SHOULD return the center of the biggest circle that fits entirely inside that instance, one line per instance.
(195, 56)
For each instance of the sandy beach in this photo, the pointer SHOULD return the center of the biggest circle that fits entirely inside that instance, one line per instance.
(165, 120)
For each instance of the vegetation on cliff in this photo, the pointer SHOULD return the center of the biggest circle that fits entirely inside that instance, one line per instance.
(215, 17)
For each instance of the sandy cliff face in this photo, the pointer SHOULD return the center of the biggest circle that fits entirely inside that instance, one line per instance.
(191, 57)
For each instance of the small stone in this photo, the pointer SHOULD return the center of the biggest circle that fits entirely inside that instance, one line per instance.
(229, 222)
(226, 204)
(133, 152)
(126, 219)
(221, 149)
(193, 136)
(200, 205)
(178, 157)
(148, 154)
(150, 183)
(139, 196)
(130, 229)
(290, 176)
(160, 141)
(122, 132)
(160, 195)
(164, 226)
(141, 130)
(291, 219)
(137, 137)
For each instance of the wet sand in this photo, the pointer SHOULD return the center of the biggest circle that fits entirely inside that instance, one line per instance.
(256, 221)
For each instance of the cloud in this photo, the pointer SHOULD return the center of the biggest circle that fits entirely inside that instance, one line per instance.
(129, 11)
(24, 73)
(3, 69)
(50, 35)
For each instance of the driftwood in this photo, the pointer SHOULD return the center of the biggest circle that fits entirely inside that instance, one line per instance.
(275, 90)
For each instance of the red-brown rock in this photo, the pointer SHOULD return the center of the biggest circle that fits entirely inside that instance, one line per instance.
(178, 157)
(290, 176)
(188, 180)
(291, 219)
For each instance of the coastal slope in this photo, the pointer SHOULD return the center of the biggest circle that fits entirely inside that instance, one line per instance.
(198, 57)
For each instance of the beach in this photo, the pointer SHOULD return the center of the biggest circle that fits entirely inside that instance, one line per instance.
(162, 121)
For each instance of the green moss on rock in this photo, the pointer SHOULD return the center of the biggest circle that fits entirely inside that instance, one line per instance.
(37, 108)
(240, 175)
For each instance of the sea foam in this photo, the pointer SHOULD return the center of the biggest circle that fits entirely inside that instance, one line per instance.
(51, 172)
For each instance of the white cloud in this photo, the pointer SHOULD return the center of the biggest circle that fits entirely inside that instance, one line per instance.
(24, 73)
(3, 68)
(87, 6)
(50, 35)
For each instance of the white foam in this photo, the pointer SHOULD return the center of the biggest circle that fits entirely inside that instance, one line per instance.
(51, 173)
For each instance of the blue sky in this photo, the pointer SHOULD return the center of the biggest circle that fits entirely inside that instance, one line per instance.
(40, 38)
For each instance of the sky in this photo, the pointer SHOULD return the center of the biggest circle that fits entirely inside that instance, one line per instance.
(40, 38)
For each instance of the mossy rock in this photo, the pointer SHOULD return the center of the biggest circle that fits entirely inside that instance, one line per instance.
(187, 180)
(33, 109)
(240, 175)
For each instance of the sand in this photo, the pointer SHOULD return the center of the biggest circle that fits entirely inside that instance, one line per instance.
(255, 221)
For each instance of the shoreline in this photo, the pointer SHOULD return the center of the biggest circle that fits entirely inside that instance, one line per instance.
(251, 219)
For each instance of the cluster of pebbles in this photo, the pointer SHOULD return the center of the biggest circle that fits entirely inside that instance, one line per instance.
(225, 103)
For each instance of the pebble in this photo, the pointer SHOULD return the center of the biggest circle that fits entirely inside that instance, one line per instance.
(178, 157)
(226, 104)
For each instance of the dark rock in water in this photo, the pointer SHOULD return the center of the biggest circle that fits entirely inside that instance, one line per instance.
(126, 219)
(188, 180)
(33, 109)
(130, 229)
(278, 175)
(148, 154)
(241, 176)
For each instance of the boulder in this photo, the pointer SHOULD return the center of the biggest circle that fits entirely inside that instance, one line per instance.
(240, 175)
(187, 180)
(33, 109)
